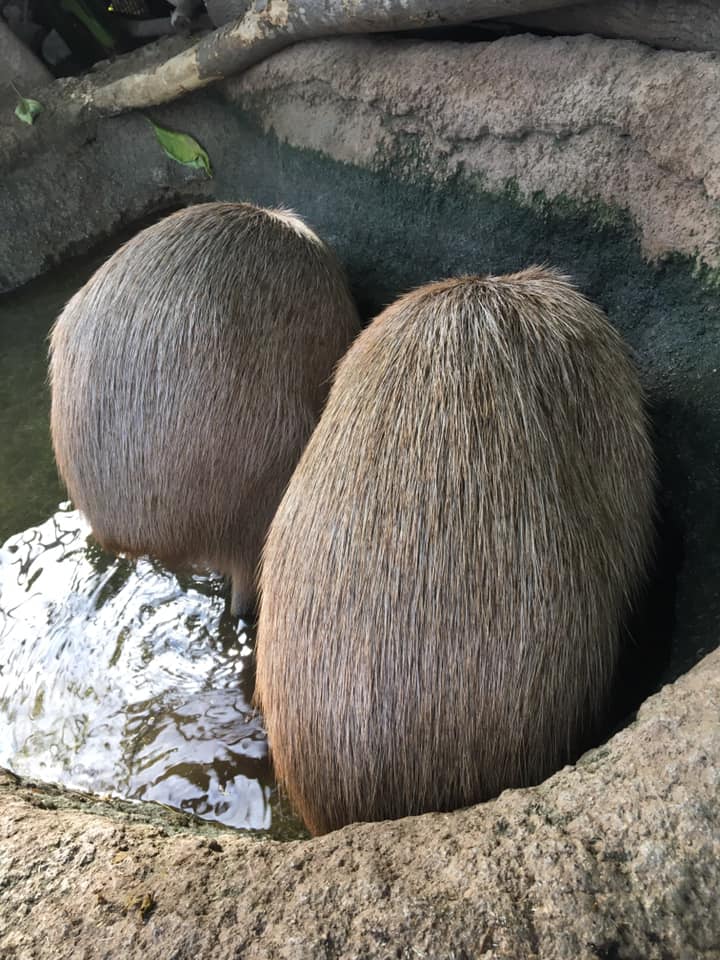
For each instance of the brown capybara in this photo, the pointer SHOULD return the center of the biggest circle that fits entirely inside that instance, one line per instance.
(187, 376)
(445, 582)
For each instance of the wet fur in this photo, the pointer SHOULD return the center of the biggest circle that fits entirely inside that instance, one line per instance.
(187, 376)
(446, 578)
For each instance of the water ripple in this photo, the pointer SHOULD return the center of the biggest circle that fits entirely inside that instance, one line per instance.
(120, 678)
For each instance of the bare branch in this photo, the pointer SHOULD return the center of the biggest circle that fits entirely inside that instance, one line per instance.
(271, 25)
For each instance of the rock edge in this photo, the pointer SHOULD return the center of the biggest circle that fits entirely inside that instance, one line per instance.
(616, 857)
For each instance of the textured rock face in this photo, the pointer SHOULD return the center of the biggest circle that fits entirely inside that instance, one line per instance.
(616, 857)
(64, 185)
(581, 117)
(675, 24)
(573, 117)
(19, 65)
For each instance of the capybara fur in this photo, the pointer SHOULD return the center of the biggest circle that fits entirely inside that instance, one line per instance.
(446, 580)
(187, 376)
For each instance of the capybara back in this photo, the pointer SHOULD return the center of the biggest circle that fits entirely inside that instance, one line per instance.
(445, 581)
(187, 376)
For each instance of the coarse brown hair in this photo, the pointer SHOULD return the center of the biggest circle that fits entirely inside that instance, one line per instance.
(187, 376)
(446, 579)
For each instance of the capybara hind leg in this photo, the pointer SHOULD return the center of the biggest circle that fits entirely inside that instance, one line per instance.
(242, 597)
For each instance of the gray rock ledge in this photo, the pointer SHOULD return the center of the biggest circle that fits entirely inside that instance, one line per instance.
(617, 857)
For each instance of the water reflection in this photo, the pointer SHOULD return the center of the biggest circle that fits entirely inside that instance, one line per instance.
(116, 677)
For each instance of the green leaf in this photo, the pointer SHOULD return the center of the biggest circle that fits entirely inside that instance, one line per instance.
(27, 110)
(182, 147)
(85, 16)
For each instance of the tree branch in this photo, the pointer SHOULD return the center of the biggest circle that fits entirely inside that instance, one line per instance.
(271, 25)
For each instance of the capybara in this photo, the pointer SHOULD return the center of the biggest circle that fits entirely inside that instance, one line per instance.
(445, 582)
(187, 376)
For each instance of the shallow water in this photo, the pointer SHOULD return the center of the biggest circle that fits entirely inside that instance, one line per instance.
(29, 487)
(116, 677)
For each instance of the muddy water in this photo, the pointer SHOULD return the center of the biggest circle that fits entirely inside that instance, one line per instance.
(116, 677)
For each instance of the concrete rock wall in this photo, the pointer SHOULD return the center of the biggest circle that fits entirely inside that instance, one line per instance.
(571, 117)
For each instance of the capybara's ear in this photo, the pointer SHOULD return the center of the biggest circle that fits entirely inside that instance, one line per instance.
(446, 579)
(187, 376)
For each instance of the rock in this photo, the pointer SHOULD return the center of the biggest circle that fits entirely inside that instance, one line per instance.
(672, 24)
(616, 857)
(19, 65)
(616, 123)
(54, 49)
(577, 117)
(65, 181)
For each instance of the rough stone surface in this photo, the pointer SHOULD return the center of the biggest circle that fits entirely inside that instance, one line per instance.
(580, 116)
(19, 65)
(675, 24)
(616, 857)
(66, 183)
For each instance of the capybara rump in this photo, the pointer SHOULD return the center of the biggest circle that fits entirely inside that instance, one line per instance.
(446, 580)
(187, 376)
